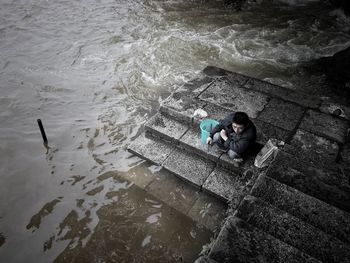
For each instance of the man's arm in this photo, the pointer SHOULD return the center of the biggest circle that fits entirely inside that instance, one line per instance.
(221, 126)
(239, 146)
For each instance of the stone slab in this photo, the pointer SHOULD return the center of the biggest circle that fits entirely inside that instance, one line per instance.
(300, 98)
(238, 241)
(233, 77)
(293, 231)
(282, 114)
(315, 148)
(325, 125)
(181, 108)
(230, 164)
(216, 112)
(266, 131)
(228, 185)
(234, 98)
(193, 87)
(149, 149)
(335, 109)
(326, 185)
(173, 191)
(191, 168)
(345, 153)
(192, 142)
(311, 210)
(208, 211)
(165, 127)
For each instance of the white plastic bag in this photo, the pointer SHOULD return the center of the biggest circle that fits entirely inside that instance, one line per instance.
(267, 154)
(200, 113)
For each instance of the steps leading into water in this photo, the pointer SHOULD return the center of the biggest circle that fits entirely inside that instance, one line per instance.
(297, 207)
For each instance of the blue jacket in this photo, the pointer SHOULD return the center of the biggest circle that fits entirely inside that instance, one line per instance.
(238, 143)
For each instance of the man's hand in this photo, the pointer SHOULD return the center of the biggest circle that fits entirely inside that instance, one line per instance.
(223, 135)
(209, 140)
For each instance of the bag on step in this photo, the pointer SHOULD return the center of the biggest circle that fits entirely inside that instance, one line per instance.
(267, 154)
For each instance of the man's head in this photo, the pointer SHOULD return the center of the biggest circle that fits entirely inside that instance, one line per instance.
(240, 121)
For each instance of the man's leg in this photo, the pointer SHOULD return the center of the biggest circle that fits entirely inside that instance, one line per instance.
(217, 139)
(233, 155)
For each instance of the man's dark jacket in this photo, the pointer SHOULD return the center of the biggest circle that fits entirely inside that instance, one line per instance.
(238, 143)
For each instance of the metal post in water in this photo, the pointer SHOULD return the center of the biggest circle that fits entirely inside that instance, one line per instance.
(42, 131)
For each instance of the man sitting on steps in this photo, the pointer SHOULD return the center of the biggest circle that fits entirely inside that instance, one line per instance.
(235, 134)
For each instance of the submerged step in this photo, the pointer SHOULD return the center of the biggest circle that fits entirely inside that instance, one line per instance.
(292, 230)
(307, 208)
(239, 241)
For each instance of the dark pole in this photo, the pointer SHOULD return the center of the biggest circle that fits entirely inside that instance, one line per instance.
(42, 131)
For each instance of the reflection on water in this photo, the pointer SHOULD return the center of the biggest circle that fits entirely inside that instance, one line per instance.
(135, 227)
(94, 72)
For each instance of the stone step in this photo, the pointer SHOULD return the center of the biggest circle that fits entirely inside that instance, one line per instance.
(327, 184)
(292, 230)
(265, 130)
(191, 168)
(187, 137)
(239, 241)
(307, 208)
(205, 174)
(230, 186)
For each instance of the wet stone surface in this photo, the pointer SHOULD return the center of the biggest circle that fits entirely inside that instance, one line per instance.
(283, 93)
(233, 98)
(238, 241)
(311, 210)
(191, 168)
(266, 131)
(208, 211)
(216, 112)
(155, 151)
(325, 125)
(163, 126)
(283, 114)
(315, 147)
(336, 109)
(326, 185)
(292, 230)
(182, 108)
(224, 184)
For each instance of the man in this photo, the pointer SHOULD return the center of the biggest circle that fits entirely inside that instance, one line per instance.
(236, 133)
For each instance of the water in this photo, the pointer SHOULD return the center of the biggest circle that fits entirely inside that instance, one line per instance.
(94, 72)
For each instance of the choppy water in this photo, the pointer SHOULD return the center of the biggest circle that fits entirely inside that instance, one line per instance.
(94, 72)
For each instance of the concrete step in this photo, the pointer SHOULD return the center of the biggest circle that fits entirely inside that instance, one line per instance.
(292, 230)
(203, 173)
(239, 241)
(311, 210)
(191, 168)
(265, 131)
(163, 127)
(325, 183)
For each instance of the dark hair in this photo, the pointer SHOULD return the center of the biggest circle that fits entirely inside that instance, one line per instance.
(240, 118)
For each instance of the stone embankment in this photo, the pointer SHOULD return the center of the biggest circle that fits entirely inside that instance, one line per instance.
(296, 210)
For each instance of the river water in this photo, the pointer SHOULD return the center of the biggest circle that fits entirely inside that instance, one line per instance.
(94, 72)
